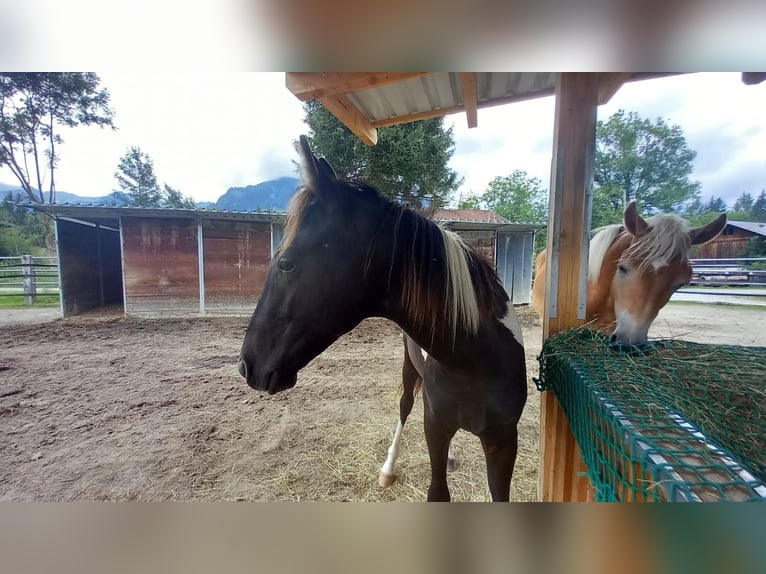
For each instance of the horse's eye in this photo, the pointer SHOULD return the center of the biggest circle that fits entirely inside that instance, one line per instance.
(286, 265)
(622, 269)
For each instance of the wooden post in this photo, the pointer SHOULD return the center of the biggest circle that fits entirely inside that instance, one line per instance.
(28, 272)
(565, 294)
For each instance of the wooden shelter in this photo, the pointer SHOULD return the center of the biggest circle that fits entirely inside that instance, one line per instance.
(158, 261)
(179, 262)
(733, 241)
(365, 101)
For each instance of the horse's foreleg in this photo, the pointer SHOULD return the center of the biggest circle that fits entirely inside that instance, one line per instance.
(500, 452)
(410, 378)
(451, 461)
(438, 439)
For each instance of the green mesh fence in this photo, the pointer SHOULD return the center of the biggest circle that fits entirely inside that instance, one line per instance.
(674, 420)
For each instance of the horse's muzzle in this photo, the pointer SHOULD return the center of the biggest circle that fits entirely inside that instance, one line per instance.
(272, 382)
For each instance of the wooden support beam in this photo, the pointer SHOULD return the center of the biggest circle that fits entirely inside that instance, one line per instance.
(609, 83)
(470, 97)
(314, 85)
(574, 141)
(344, 109)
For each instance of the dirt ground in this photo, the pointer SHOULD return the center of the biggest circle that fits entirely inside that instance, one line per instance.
(109, 408)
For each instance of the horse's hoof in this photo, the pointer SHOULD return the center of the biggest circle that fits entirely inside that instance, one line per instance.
(451, 465)
(385, 480)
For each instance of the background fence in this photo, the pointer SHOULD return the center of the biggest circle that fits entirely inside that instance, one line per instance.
(29, 277)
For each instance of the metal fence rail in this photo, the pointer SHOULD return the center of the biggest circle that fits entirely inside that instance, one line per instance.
(731, 272)
(30, 276)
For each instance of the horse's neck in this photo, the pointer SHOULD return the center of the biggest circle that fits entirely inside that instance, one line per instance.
(600, 306)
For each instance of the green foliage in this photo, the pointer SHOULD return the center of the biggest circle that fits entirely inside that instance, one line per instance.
(744, 203)
(138, 183)
(174, 198)
(33, 107)
(22, 231)
(642, 160)
(408, 164)
(136, 179)
(517, 197)
(758, 211)
(756, 247)
(470, 202)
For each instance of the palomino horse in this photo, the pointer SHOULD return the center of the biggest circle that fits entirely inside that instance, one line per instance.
(633, 269)
(348, 254)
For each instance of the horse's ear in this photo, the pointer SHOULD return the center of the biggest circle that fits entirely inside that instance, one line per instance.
(317, 173)
(634, 223)
(704, 234)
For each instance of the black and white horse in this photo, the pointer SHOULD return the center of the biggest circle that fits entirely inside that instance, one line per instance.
(348, 254)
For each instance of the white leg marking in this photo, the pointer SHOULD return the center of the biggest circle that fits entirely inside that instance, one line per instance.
(451, 462)
(393, 452)
(511, 322)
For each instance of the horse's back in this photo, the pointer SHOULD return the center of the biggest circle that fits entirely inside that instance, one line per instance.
(538, 288)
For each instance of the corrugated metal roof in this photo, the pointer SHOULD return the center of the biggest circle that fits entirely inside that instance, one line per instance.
(758, 227)
(83, 211)
(443, 91)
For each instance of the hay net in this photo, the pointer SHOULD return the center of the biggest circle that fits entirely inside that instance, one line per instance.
(674, 420)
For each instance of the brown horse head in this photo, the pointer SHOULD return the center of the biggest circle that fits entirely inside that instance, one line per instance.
(640, 265)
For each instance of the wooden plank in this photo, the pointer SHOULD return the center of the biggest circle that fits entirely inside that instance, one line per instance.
(470, 97)
(344, 109)
(237, 258)
(609, 83)
(161, 265)
(314, 85)
(571, 181)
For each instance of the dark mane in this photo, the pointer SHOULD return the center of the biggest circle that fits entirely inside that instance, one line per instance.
(438, 291)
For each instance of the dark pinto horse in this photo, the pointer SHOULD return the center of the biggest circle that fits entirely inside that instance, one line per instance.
(348, 254)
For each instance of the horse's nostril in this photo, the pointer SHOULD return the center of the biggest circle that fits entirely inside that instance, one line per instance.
(612, 338)
(242, 368)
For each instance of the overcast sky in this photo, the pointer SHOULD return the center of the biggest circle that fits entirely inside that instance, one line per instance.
(208, 132)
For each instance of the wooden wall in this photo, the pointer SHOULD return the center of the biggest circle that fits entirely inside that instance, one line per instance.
(730, 244)
(91, 271)
(161, 266)
(236, 259)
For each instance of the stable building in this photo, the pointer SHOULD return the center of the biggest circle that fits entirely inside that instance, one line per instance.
(179, 262)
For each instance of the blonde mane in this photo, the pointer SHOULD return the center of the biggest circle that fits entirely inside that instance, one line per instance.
(667, 238)
(461, 294)
(599, 245)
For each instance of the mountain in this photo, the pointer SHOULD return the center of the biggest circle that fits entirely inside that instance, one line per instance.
(272, 195)
(64, 197)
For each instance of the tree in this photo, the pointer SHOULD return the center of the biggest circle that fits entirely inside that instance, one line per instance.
(174, 198)
(408, 164)
(637, 159)
(758, 211)
(517, 197)
(34, 106)
(22, 232)
(138, 183)
(135, 176)
(744, 202)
